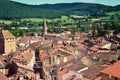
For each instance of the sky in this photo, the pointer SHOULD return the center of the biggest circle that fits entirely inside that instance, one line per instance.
(37, 2)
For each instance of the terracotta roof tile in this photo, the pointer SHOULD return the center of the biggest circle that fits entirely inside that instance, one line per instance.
(27, 56)
(70, 58)
(44, 56)
(92, 72)
(64, 71)
(94, 48)
(26, 38)
(113, 70)
(103, 51)
(24, 66)
(70, 78)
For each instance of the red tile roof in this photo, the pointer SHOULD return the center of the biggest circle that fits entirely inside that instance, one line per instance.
(113, 70)
(81, 46)
(58, 45)
(70, 58)
(45, 56)
(94, 48)
(24, 66)
(103, 51)
(70, 78)
(63, 72)
(26, 38)
(26, 56)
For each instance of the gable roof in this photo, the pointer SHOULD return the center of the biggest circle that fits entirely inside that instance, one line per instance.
(113, 70)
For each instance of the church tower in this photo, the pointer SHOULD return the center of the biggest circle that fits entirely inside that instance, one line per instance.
(7, 42)
(44, 27)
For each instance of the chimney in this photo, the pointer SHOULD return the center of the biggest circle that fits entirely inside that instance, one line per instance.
(29, 42)
(65, 59)
(76, 55)
(76, 52)
(58, 60)
(21, 77)
(37, 76)
(32, 78)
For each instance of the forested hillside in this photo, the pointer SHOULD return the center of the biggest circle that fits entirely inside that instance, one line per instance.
(80, 8)
(11, 10)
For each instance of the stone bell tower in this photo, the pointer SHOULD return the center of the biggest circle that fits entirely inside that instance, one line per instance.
(44, 27)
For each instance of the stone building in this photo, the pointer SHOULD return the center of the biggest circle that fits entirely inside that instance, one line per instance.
(7, 42)
(44, 27)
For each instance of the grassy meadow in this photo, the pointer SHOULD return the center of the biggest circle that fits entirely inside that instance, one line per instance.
(63, 19)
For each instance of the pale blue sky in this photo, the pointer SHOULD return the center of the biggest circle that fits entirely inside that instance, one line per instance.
(107, 2)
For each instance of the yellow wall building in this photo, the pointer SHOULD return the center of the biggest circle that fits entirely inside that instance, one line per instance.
(7, 42)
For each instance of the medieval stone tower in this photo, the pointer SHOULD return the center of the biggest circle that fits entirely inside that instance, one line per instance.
(7, 42)
(44, 27)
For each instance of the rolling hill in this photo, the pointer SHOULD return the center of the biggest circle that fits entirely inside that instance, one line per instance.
(79, 8)
(11, 10)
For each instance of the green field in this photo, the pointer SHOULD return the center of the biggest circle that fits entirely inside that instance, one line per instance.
(105, 18)
(113, 13)
(5, 21)
(34, 19)
(111, 16)
(63, 19)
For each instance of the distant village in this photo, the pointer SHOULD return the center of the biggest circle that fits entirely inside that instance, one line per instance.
(63, 56)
